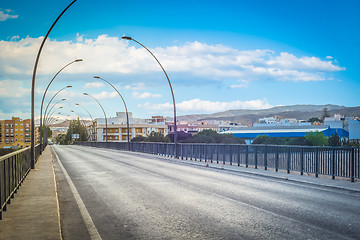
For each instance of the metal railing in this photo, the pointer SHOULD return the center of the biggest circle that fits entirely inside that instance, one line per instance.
(14, 167)
(332, 161)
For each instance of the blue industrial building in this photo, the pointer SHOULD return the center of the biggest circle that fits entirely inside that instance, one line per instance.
(250, 133)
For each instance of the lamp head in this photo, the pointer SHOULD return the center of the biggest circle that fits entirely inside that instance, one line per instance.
(63, 99)
(72, 110)
(126, 38)
(85, 93)
(77, 104)
(68, 86)
(78, 60)
(96, 77)
(60, 107)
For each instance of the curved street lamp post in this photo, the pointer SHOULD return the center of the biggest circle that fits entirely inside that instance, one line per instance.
(43, 98)
(106, 130)
(127, 115)
(171, 89)
(32, 149)
(92, 120)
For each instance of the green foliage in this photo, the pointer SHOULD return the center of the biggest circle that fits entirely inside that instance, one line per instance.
(4, 151)
(48, 130)
(334, 140)
(152, 137)
(314, 119)
(300, 141)
(138, 139)
(325, 114)
(347, 143)
(316, 138)
(157, 137)
(211, 136)
(75, 127)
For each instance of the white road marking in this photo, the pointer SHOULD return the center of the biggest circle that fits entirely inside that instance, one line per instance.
(94, 233)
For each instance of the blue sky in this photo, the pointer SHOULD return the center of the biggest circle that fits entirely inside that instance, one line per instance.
(219, 55)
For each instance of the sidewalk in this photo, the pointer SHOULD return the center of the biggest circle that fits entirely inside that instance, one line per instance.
(33, 213)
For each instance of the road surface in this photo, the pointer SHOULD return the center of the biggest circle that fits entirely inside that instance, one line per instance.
(110, 194)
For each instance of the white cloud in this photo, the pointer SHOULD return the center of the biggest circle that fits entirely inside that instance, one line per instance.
(94, 85)
(145, 95)
(105, 95)
(4, 15)
(13, 89)
(135, 86)
(242, 84)
(112, 55)
(201, 106)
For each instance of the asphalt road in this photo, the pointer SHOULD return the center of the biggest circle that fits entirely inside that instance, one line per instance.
(124, 195)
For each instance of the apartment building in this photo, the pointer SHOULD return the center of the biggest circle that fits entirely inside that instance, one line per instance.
(117, 127)
(15, 133)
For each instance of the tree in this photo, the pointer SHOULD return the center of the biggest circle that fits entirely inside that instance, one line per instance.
(49, 131)
(138, 139)
(316, 138)
(325, 114)
(181, 136)
(75, 127)
(157, 137)
(334, 140)
(211, 136)
(314, 119)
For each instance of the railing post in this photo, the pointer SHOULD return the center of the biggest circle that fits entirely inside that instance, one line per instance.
(217, 154)
(238, 155)
(265, 157)
(231, 155)
(277, 159)
(288, 160)
(317, 163)
(205, 152)
(256, 160)
(302, 161)
(352, 164)
(333, 164)
(224, 153)
(247, 156)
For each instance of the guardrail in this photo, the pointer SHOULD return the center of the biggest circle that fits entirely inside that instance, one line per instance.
(14, 167)
(333, 161)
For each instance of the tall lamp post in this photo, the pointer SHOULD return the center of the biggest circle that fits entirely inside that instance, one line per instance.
(47, 116)
(92, 120)
(106, 130)
(32, 149)
(127, 115)
(53, 98)
(43, 98)
(171, 89)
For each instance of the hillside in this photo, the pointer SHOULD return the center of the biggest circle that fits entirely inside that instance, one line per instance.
(300, 112)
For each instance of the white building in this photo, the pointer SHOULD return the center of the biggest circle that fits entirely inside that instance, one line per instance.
(117, 127)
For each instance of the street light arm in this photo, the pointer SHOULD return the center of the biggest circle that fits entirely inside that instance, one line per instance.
(54, 97)
(43, 98)
(171, 89)
(32, 150)
(126, 110)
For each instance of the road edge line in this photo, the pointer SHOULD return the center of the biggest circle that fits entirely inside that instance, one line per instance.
(94, 233)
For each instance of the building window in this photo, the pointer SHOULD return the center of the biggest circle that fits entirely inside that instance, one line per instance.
(21, 139)
(15, 139)
(7, 125)
(11, 130)
(27, 125)
(7, 130)
(11, 140)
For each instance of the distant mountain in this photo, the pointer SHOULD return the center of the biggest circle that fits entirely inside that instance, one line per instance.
(300, 112)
